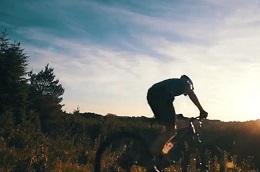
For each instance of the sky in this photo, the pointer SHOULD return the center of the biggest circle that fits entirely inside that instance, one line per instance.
(107, 53)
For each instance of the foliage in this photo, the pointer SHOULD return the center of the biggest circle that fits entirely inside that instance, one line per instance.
(45, 96)
(45, 85)
(45, 92)
(13, 88)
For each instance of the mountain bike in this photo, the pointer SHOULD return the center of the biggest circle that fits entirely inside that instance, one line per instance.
(126, 151)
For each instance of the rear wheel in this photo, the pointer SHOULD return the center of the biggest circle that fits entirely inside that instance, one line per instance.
(122, 152)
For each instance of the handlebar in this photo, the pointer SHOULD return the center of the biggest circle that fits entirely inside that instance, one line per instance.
(190, 119)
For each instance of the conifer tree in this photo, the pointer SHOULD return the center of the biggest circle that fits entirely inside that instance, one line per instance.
(13, 84)
(45, 95)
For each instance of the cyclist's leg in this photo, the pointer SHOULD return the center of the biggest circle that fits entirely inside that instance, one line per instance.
(170, 129)
(169, 121)
(164, 112)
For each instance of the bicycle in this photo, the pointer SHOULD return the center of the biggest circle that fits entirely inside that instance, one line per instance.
(133, 150)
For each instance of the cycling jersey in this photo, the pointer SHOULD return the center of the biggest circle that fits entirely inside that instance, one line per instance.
(171, 88)
(161, 95)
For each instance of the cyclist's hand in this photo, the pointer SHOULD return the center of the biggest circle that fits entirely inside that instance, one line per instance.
(180, 117)
(203, 114)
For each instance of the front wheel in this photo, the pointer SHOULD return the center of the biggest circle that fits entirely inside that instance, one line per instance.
(202, 159)
(122, 152)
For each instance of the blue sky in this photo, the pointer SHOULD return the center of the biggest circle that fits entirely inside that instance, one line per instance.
(107, 53)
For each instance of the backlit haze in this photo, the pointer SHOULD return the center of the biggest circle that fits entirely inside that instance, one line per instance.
(107, 53)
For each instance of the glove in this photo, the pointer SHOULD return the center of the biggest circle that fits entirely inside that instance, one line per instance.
(203, 114)
(179, 116)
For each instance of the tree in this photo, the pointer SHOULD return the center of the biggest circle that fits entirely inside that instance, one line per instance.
(45, 95)
(13, 84)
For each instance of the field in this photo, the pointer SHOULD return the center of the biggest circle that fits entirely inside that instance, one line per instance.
(72, 148)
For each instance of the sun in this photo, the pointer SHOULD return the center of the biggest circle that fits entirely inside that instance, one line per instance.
(250, 106)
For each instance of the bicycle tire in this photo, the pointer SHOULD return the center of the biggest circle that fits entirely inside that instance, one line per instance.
(201, 158)
(215, 158)
(113, 145)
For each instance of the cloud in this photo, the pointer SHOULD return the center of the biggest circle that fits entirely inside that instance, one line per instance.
(89, 69)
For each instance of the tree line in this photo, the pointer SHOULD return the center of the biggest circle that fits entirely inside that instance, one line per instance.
(25, 95)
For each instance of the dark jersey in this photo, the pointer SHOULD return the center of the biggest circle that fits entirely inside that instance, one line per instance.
(171, 87)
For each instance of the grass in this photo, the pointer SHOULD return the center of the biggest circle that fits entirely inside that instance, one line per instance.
(33, 151)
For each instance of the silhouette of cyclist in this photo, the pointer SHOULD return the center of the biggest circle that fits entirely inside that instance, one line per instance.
(160, 97)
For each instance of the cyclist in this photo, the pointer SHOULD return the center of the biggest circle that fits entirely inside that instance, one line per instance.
(160, 97)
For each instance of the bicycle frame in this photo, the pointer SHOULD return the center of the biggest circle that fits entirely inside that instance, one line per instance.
(187, 142)
(187, 136)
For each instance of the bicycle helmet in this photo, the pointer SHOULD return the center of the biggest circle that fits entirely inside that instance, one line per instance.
(185, 77)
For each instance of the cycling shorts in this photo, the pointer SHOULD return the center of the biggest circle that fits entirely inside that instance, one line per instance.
(161, 106)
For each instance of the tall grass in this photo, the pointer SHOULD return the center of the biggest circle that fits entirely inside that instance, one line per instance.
(37, 152)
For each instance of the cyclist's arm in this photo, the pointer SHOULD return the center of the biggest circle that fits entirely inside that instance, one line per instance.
(195, 100)
(189, 91)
